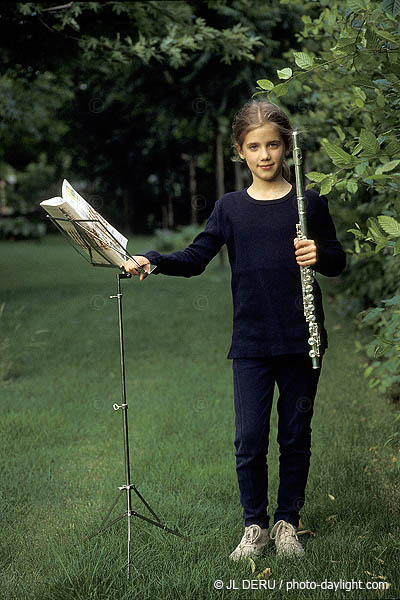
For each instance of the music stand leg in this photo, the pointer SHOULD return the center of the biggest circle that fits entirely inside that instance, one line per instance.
(128, 486)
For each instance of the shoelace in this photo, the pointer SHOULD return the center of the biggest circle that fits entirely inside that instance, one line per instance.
(251, 535)
(282, 527)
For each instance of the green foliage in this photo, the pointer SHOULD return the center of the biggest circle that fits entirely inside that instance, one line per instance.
(349, 78)
(303, 60)
(28, 110)
(170, 241)
(384, 351)
(32, 130)
(21, 228)
(336, 67)
(392, 7)
(389, 225)
(162, 31)
(32, 183)
(126, 94)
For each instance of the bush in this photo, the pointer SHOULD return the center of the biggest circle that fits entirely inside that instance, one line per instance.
(21, 228)
(383, 352)
(169, 241)
(347, 74)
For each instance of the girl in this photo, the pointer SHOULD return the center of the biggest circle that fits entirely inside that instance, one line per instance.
(269, 341)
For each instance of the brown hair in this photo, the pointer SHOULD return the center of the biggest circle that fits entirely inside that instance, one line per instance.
(255, 114)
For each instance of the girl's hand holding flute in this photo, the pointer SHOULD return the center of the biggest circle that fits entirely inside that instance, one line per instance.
(306, 252)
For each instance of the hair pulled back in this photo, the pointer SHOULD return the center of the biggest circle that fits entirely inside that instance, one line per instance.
(255, 114)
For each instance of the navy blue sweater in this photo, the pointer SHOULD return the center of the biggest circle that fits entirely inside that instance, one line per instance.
(268, 318)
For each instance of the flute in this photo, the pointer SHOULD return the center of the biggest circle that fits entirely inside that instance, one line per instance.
(306, 272)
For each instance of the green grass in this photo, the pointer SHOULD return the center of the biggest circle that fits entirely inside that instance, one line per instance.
(62, 445)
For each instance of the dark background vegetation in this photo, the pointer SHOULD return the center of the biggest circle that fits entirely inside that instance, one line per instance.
(124, 129)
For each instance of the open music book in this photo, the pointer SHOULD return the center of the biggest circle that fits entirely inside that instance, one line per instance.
(103, 244)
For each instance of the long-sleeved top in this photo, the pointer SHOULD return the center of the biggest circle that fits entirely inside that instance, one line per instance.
(268, 314)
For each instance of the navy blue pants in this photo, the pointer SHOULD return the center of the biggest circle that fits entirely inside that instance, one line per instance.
(253, 383)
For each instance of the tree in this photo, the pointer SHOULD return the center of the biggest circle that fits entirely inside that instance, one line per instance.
(119, 32)
(80, 46)
(126, 122)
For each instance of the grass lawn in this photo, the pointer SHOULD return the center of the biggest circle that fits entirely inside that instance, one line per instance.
(62, 445)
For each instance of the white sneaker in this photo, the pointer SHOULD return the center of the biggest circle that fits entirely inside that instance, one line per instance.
(252, 543)
(286, 539)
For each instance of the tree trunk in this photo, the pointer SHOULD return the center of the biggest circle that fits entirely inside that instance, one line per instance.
(164, 216)
(171, 215)
(193, 189)
(2, 196)
(220, 186)
(167, 208)
(239, 181)
(126, 207)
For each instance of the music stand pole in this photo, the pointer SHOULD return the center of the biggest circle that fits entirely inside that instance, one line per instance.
(128, 486)
(124, 406)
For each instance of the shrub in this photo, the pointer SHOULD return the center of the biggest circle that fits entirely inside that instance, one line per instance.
(21, 228)
(169, 241)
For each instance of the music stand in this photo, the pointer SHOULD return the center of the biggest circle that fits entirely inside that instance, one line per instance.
(89, 245)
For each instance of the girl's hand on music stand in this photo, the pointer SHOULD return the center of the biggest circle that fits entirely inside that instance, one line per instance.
(132, 267)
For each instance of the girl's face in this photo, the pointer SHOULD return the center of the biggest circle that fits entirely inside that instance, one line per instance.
(264, 152)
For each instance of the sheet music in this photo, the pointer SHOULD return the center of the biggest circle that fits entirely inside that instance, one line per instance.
(106, 243)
